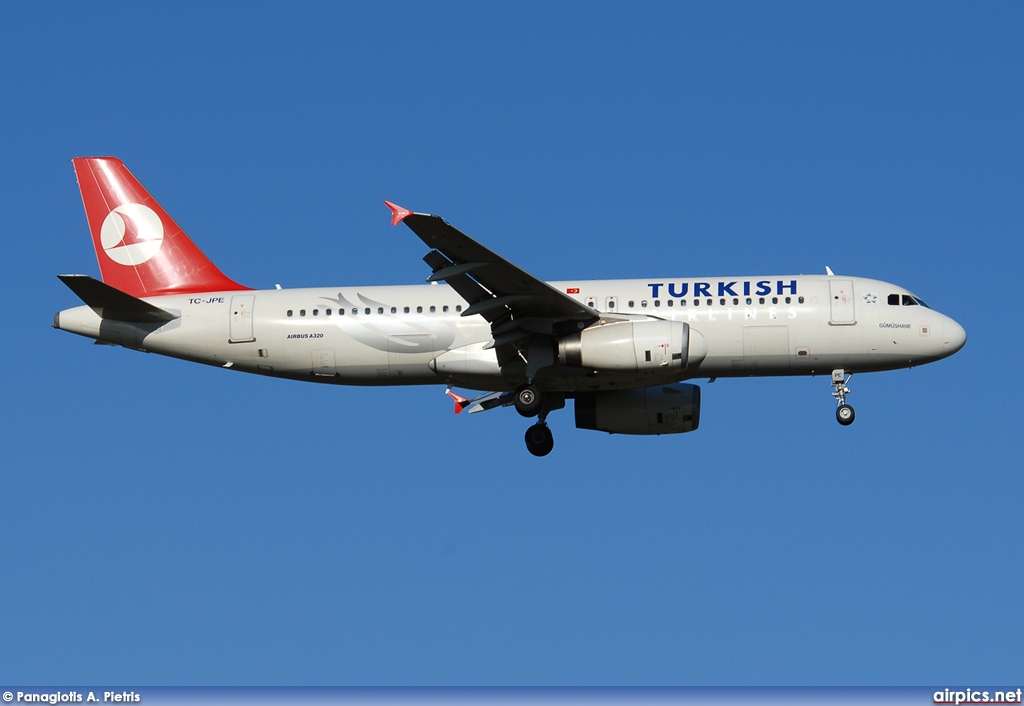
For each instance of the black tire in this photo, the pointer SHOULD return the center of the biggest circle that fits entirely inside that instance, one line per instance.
(528, 401)
(539, 440)
(845, 415)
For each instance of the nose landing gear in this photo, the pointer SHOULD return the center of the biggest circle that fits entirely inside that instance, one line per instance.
(844, 413)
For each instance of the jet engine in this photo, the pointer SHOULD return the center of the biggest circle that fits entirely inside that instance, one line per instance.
(633, 346)
(661, 409)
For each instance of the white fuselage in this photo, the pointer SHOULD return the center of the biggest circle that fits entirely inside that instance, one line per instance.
(408, 335)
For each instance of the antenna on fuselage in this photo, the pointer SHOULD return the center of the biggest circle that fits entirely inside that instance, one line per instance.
(829, 272)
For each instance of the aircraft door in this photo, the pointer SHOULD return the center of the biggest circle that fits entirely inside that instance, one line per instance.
(241, 318)
(841, 297)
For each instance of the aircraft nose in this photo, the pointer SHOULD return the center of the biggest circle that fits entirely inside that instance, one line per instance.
(954, 337)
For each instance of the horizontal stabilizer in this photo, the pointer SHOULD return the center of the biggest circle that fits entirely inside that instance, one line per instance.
(111, 303)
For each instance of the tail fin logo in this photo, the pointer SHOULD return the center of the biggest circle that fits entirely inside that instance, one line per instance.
(131, 234)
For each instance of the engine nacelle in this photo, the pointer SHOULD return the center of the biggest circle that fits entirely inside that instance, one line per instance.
(661, 409)
(633, 346)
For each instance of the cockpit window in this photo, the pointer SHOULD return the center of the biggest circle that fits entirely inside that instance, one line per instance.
(907, 300)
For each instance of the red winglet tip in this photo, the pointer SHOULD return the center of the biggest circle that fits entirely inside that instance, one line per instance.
(398, 213)
(460, 402)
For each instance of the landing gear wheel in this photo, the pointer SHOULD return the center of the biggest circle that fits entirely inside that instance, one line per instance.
(539, 440)
(845, 415)
(528, 401)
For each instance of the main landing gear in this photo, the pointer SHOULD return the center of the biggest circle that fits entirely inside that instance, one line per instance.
(539, 439)
(530, 402)
(844, 413)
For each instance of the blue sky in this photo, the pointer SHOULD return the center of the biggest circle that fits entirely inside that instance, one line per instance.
(166, 523)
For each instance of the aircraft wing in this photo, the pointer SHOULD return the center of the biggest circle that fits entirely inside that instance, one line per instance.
(507, 296)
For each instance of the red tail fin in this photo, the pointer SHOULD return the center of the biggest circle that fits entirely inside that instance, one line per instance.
(141, 250)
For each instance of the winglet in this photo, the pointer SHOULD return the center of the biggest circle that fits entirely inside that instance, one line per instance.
(398, 213)
(460, 402)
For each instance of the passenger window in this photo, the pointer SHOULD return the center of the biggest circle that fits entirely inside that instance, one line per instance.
(788, 300)
(775, 300)
(894, 299)
(354, 311)
(682, 302)
(394, 310)
(316, 312)
(721, 301)
(433, 309)
(367, 310)
(735, 302)
(405, 310)
(302, 312)
(445, 308)
(632, 304)
(749, 300)
(328, 312)
(800, 300)
(761, 300)
(380, 310)
(289, 312)
(458, 307)
(657, 302)
(419, 310)
(643, 304)
(341, 312)
(671, 302)
(696, 302)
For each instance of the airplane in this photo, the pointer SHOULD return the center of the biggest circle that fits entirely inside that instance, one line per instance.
(621, 350)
